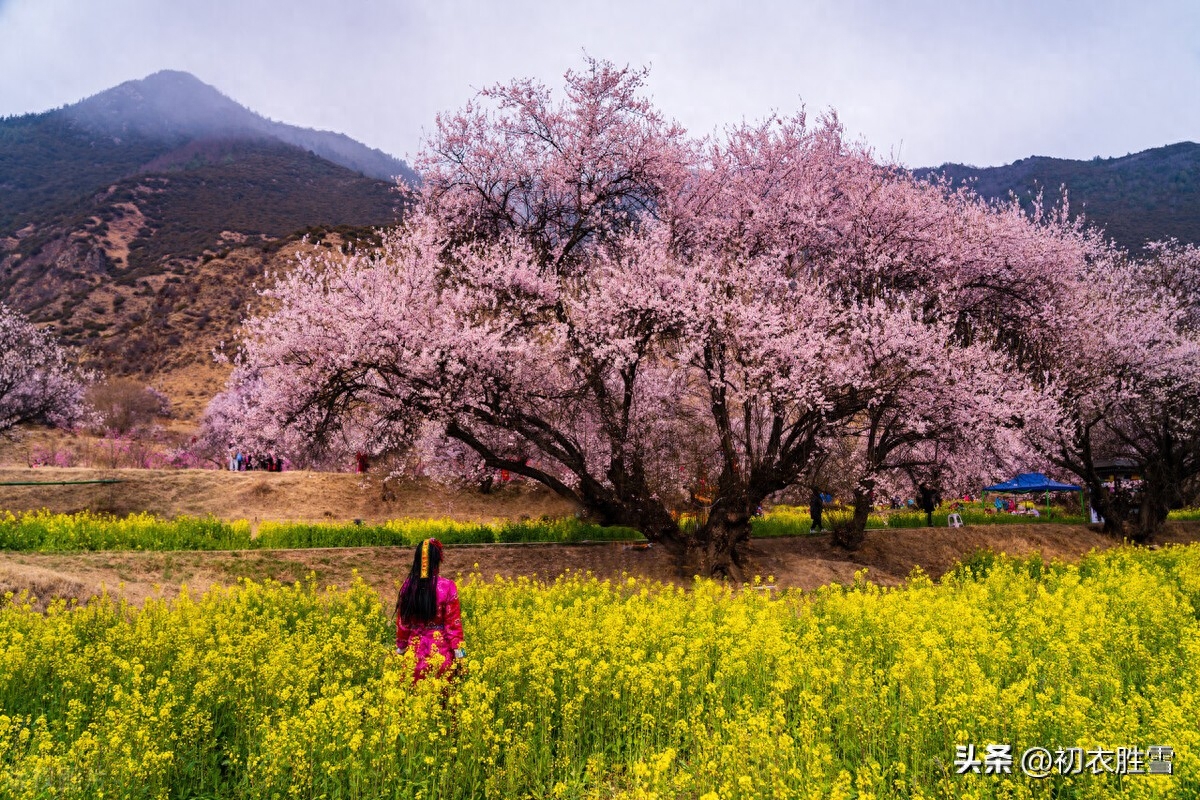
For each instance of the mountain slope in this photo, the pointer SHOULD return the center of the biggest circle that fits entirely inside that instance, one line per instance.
(47, 161)
(1146, 196)
(52, 159)
(110, 271)
(135, 223)
(174, 106)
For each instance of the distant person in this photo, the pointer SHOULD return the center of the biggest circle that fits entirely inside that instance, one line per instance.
(428, 616)
(816, 505)
(928, 503)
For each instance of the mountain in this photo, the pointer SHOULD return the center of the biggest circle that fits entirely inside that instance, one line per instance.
(1138, 198)
(136, 222)
(50, 159)
(177, 106)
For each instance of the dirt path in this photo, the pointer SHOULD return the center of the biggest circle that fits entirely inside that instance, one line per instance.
(804, 562)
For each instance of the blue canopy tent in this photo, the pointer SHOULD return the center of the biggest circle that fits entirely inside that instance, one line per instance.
(1031, 483)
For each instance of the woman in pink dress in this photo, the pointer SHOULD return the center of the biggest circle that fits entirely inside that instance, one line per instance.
(428, 616)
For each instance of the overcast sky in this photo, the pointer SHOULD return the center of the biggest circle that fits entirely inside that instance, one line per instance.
(926, 82)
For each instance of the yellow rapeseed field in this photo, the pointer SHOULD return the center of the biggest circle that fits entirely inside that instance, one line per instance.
(592, 689)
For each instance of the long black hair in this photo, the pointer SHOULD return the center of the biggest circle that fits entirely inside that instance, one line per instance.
(417, 601)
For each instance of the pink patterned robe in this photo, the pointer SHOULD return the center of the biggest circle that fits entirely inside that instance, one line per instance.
(444, 631)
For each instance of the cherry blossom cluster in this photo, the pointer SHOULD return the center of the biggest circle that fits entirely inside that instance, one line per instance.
(591, 299)
(38, 382)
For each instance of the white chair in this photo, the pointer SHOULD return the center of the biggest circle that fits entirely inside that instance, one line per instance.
(954, 521)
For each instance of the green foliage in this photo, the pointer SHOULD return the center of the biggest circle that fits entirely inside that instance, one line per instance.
(45, 532)
(412, 531)
(785, 520)
(916, 519)
(795, 521)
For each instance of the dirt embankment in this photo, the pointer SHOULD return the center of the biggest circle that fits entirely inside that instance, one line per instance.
(800, 562)
(803, 562)
(257, 496)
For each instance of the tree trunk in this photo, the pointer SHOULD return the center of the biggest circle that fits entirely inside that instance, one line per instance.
(1121, 511)
(1099, 500)
(1159, 490)
(721, 551)
(1117, 506)
(647, 515)
(850, 535)
(719, 548)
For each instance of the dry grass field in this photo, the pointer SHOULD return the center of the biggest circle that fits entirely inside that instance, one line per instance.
(258, 496)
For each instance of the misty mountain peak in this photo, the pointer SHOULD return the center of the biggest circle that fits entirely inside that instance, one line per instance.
(166, 105)
(176, 107)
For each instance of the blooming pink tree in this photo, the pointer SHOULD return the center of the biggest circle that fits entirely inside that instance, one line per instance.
(1128, 383)
(562, 176)
(589, 300)
(893, 303)
(38, 383)
(948, 415)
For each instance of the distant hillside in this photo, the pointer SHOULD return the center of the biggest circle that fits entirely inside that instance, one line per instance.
(51, 159)
(1138, 198)
(89, 267)
(176, 106)
(135, 223)
(47, 161)
(201, 191)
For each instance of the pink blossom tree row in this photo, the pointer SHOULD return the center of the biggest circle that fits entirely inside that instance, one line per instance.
(1127, 381)
(591, 299)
